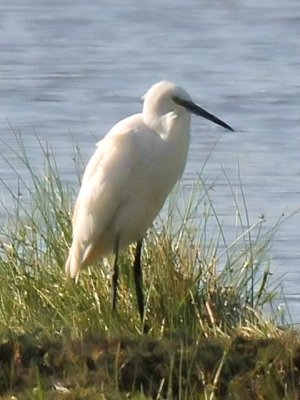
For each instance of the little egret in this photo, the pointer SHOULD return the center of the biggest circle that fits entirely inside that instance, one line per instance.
(128, 178)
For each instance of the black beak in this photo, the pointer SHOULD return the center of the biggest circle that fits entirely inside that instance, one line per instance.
(193, 108)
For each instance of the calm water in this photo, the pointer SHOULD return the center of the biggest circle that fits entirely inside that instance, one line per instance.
(70, 69)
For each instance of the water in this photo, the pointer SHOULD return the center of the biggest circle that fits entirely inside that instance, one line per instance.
(70, 69)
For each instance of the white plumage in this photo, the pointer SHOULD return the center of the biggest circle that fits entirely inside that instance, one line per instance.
(131, 173)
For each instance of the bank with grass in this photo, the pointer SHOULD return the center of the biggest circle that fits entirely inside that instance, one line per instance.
(214, 332)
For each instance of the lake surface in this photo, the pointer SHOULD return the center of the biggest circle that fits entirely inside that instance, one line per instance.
(70, 69)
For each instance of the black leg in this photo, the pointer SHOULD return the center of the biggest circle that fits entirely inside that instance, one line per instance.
(138, 279)
(115, 277)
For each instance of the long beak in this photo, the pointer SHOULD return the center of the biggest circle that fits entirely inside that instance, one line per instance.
(193, 108)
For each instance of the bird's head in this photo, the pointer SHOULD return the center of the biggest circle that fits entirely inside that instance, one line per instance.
(159, 99)
(165, 97)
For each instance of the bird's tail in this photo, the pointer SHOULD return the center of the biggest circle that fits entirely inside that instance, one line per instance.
(73, 263)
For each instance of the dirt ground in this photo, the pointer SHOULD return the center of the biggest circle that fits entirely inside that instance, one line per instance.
(123, 367)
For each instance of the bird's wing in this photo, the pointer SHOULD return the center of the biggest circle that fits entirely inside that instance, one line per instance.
(102, 186)
(104, 189)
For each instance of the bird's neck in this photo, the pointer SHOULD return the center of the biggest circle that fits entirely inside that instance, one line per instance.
(176, 132)
(171, 126)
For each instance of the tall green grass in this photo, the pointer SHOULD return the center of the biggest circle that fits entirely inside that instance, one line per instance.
(209, 303)
(192, 288)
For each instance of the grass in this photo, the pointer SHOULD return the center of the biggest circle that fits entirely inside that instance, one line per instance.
(210, 337)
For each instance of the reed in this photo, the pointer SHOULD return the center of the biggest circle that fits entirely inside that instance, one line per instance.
(205, 302)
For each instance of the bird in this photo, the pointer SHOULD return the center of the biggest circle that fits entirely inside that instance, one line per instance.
(127, 180)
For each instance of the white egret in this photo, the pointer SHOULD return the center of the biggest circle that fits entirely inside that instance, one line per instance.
(128, 178)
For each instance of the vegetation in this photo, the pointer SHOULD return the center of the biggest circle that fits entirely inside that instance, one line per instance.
(206, 306)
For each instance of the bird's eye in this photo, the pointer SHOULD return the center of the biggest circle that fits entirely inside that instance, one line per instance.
(178, 100)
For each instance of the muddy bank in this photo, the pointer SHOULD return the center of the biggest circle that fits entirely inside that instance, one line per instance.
(93, 366)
